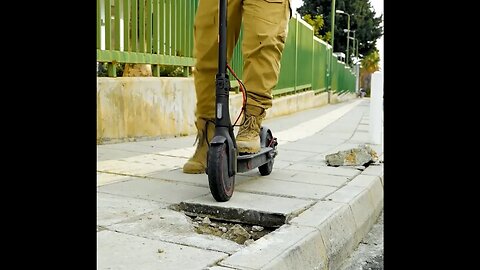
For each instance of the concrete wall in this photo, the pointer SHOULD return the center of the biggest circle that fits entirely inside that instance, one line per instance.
(336, 98)
(135, 108)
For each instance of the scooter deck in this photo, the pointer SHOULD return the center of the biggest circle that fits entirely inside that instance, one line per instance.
(251, 161)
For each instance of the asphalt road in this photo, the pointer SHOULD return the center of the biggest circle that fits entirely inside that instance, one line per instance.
(369, 253)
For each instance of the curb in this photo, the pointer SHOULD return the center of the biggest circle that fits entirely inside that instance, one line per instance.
(324, 235)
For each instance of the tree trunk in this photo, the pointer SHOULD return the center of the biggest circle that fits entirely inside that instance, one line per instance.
(137, 70)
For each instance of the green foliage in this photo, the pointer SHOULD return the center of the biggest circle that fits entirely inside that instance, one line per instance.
(370, 62)
(328, 37)
(171, 71)
(317, 23)
(102, 69)
(367, 26)
(165, 70)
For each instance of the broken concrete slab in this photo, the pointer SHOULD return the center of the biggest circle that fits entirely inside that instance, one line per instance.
(174, 227)
(264, 210)
(357, 156)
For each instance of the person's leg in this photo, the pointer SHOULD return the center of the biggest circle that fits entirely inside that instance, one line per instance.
(265, 30)
(206, 54)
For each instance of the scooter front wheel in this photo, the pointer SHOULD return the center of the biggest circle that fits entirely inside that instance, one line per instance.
(221, 185)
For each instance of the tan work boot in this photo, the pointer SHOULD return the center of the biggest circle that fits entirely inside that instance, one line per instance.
(198, 162)
(248, 139)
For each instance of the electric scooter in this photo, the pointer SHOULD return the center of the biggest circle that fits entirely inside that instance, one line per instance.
(223, 159)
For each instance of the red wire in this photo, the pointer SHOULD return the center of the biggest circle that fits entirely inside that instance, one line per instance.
(244, 94)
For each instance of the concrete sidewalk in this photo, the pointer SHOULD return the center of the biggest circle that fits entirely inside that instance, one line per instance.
(319, 213)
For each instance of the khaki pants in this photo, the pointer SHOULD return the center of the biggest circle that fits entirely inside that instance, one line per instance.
(265, 25)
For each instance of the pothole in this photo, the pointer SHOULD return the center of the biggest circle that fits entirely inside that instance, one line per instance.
(234, 215)
(243, 234)
(243, 226)
(245, 218)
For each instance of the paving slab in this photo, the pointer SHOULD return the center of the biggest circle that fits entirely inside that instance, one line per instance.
(109, 178)
(360, 137)
(286, 188)
(220, 268)
(346, 194)
(134, 147)
(113, 208)
(264, 210)
(340, 171)
(109, 153)
(309, 147)
(345, 146)
(281, 164)
(292, 155)
(170, 143)
(376, 170)
(122, 251)
(196, 179)
(141, 165)
(173, 227)
(330, 138)
(156, 190)
(307, 177)
(362, 126)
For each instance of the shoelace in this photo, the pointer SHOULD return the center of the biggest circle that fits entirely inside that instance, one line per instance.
(203, 136)
(250, 124)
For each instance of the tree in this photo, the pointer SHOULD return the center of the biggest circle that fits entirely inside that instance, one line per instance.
(370, 63)
(317, 24)
(367, 26)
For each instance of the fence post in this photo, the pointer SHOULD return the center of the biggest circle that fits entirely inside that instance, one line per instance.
(296, 52)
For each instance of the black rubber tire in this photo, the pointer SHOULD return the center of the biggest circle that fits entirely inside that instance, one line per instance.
(267, 168)
(221, 185)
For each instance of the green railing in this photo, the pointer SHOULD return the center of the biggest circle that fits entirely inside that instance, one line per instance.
(157, 32)
(160, 32)
(305, 62)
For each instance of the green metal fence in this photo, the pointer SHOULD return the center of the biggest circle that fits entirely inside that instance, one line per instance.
(157, 32)
(160, 32)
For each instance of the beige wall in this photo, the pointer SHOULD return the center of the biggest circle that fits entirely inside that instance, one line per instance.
(132, 108)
